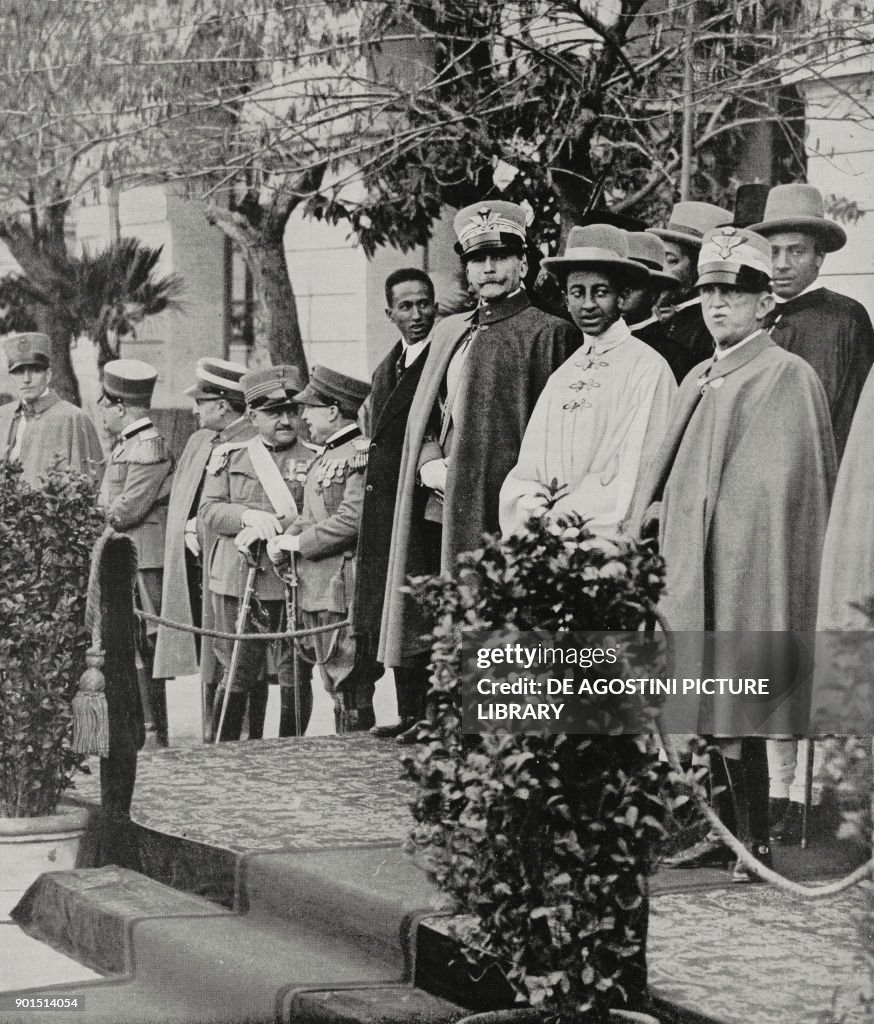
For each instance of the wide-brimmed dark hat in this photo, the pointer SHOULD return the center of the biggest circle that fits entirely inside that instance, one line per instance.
(129, 380)
(800, 208)
(690, 222)
(29, 349)
(598, 245)
(749, 204)
(272, 388)
(217, 378)
(329, 387)
(649, 250)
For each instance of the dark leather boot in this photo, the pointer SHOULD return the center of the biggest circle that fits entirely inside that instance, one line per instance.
(233, 724)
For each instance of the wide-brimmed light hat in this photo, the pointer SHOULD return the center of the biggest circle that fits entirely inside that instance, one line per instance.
(598, 245)
(690, 222)
(800, 208)
(649, 250)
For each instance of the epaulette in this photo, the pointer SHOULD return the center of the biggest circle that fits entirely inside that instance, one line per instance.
(147, 449)
(362, 450)
(221, 453)
(328, 471)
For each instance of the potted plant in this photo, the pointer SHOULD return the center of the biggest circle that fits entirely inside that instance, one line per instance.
(542, 842)
(46, 536)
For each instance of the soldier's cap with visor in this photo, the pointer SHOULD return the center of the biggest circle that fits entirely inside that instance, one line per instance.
(130, 381)
(29, 349)
(690, 222)
(737, 257)
(799, 207)
(598, 247)
(329, 387)
(216, 378)
(272, 388)
(491, 225)
(649, 250)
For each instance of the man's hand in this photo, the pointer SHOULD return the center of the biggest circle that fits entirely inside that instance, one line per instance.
(433, 475)
(190, 537)
(245, 539)
(265, 524)
(279, 548)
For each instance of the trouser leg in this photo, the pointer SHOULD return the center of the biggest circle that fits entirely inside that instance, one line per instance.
(249, 668)
(287, 719)
(335, 656)
(257, 709)
(797, 786)
(782, 756)
(412, 684)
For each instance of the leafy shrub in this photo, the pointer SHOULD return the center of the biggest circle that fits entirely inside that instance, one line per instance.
(45, 541)
(543, 839)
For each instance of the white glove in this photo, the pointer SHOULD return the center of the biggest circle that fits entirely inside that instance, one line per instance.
(265, 524)
(245, 539)
(190, 537)
(433, 475)
(279, 547)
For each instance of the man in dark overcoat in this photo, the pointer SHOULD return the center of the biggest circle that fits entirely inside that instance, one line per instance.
(832, 332)
(221, 411)
(411, 308)
(483, 375)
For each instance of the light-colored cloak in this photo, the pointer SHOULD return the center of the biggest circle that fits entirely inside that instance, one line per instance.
(596, 427)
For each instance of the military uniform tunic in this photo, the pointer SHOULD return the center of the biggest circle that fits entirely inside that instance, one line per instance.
(232, 487)
(328, 529)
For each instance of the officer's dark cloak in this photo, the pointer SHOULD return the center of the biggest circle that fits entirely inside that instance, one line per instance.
(506, 368)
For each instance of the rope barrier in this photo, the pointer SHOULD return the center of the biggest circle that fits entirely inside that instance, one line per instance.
(218, 635)
(864, 871)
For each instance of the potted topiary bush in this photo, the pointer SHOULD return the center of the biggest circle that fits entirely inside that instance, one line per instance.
(46, 536)
(542, 842)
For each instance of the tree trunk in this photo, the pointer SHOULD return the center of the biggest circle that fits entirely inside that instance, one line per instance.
(278, 304)
(64, 380)
(261, 243)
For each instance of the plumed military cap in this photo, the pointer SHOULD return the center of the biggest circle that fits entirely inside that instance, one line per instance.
(217, 378)
(30, 349)
(129, 380)
(329, 387)
(729, 254)
(491, 224)
(274, 387)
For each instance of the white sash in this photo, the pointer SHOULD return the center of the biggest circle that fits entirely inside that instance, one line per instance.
(272, 481)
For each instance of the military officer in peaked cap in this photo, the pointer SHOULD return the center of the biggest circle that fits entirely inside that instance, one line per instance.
(221, 411)
(482, 377)
(134, 496)
(41, 429)
(740, 495)
(326, 537)
(252, 493)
